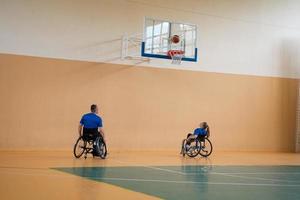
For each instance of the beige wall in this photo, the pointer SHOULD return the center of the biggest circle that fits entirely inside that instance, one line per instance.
(145, 108)
(252, 37)
(42, 99)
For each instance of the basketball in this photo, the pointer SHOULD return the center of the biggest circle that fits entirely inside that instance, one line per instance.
(175, 39)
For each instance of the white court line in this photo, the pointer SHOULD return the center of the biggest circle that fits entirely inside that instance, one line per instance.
(67, 175)
(247, 173)
(151, 167)
(251, 173)
(233, 174)
(253, 178)
(168, 170)
(197, 182)
(165, 170)
(214, 173)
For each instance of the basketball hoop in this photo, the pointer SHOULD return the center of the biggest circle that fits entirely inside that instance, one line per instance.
(176, 56)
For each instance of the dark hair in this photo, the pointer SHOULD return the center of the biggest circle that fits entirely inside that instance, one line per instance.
(93, 108)
(204, 124)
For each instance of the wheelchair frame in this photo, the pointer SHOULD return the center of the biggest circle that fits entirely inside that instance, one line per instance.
(88, 147)
(197, 148)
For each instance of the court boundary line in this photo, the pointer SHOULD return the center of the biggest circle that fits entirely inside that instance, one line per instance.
(234, 174)
(152, 167)
(67, 175)
(214, 173)
(196, 182)
(252, 178)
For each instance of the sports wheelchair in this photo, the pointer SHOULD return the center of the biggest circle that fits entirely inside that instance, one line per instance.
(89, 144)
(198, 146)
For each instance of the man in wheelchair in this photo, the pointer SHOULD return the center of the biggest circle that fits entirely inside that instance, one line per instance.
(90, 127)
(199, 137)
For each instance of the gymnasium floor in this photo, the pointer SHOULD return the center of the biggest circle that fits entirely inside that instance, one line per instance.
(150, 175)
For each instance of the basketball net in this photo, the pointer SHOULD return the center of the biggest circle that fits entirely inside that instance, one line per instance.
(176, 56)
(175, 51)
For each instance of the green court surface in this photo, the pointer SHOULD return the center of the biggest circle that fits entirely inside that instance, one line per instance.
(201, 182)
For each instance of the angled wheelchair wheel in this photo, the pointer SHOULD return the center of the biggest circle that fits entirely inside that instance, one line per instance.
(101, 148)
(205, 147)
(183, 149)
(193, 149)
(79, 147)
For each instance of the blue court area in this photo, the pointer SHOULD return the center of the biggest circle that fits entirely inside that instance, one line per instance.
(200, 182)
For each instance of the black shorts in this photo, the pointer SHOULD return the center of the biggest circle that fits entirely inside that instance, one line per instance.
(90, 133)
(201, 138)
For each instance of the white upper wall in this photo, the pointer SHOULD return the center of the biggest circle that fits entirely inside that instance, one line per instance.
(257, 37)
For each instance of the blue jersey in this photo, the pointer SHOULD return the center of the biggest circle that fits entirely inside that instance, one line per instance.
(200, 131)
(91, 120)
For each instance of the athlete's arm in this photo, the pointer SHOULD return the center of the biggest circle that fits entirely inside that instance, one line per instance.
(80, 129)
(101, 131)
(208, 132)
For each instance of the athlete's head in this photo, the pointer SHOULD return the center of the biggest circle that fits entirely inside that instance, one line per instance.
(203, 125)
(94, 108)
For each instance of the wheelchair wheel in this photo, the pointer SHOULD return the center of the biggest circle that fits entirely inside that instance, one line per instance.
(79, 147)
(101, 148)
(183, 150)
(193, 149)
(205, 147)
